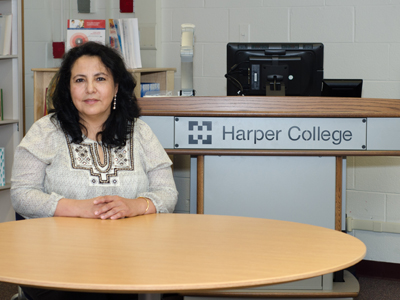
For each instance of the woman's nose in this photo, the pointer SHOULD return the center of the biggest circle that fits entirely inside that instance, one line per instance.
(91, 86)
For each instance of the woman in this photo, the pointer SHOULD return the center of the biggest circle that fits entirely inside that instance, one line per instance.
(92, 157)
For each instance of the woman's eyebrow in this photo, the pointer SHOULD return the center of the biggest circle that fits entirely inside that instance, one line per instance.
(101, 73)
(97, 74)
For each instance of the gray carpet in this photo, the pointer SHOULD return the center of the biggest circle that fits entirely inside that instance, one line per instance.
(373, 288)
(7, 290)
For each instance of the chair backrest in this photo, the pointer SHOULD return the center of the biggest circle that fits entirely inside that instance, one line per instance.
(18, 217)
(21, 295)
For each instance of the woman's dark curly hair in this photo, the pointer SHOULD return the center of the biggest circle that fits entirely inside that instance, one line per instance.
(118, 125)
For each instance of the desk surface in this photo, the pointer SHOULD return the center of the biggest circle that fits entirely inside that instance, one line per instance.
(169, 252)
(293, 107)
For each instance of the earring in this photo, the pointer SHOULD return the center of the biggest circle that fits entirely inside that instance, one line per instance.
(115, 102)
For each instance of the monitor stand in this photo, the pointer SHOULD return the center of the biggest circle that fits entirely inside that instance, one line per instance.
(272, 89)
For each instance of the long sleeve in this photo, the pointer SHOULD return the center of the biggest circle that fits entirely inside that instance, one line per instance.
(27, 193)
(31, 158)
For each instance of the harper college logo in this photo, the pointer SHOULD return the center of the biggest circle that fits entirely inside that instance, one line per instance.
(198, 132)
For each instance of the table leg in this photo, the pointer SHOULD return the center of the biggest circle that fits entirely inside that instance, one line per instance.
(338, 193)
(200, 184)
(149, 297)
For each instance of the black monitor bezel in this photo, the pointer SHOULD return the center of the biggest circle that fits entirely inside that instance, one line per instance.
(349, 88)
(281, 51)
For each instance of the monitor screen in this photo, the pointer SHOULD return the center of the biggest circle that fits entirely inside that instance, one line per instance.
(274, 69)
(342, 88)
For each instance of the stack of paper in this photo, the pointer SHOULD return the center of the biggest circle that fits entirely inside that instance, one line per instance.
(5, 34)
(124, 37)
(149, 89)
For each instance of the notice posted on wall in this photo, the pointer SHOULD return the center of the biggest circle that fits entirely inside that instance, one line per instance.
(81, 31)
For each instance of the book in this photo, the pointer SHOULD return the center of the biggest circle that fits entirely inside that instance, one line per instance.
(81, 31)
(119, 28)
(126, 32)
(149, 88)
(5, 34)
(114, 39)
(133, 42)
(2, 167)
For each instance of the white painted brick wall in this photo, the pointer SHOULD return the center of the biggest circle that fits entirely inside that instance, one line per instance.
(366, 205)
(377, 174)
(266, 23)
(368, 61)
(309, 24)
(378, 23)
(393, 208)
(361, 39)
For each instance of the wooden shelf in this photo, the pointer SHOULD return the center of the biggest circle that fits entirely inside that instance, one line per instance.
(5, 187)
(11, 76)
(8, 56)
(6, 122)
(43, 76)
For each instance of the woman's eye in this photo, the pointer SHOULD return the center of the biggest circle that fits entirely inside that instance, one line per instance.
(79, 80)
(100, 79)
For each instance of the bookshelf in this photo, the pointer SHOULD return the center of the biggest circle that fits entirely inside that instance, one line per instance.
(42, 78)
(11, 76)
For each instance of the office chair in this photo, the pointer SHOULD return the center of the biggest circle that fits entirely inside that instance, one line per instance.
(20, 295)
(18, 217)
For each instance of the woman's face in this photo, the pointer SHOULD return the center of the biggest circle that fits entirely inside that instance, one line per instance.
(92, 89)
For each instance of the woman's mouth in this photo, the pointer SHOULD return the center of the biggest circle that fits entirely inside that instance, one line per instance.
(91, 101)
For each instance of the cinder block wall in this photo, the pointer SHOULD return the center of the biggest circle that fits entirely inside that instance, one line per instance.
(362, 40)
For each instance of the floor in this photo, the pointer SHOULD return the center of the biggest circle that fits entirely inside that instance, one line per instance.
(371, 288)
(7, 290)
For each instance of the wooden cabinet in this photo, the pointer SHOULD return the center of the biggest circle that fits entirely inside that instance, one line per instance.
(42, 78)
(11, 127)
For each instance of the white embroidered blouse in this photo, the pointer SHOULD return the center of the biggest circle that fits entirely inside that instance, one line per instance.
(48, 167)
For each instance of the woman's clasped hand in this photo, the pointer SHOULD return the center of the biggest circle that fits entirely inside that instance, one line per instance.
(110, 207)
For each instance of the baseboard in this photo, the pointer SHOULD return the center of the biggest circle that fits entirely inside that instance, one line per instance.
(369, 268)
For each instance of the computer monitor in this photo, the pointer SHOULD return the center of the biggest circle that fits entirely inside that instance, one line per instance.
(342, 88)
(274, 69)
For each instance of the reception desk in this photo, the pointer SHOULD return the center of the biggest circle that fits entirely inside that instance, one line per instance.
(275, 126)
(274, 157)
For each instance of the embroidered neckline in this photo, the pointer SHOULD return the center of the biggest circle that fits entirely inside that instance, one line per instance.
(85, 156)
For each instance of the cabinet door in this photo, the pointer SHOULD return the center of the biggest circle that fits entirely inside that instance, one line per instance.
(297, 189)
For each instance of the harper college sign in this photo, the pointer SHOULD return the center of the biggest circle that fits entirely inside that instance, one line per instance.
(270, 133)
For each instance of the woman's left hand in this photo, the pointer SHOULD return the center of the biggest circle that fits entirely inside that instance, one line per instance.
(116, 207)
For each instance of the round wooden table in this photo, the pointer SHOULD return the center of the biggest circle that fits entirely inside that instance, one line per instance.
(169, 253)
